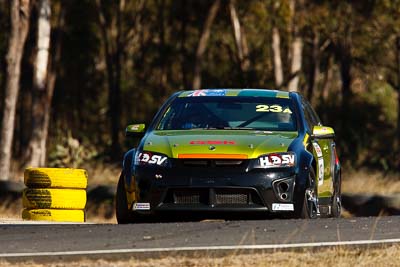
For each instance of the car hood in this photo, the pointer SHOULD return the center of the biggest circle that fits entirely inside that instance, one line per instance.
(217, 143)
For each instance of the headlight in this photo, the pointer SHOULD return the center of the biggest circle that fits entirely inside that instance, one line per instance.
(277, 160)
(151, 158)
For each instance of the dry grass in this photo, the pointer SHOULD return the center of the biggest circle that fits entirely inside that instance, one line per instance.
(370, 182)
(98, 172)
(388, 256)
(103, 174)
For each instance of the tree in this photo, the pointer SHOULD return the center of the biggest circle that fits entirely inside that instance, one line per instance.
(287, 15)
(398, 96)
(240, 39)
(277, 58)
(296, 48)
(202, 45)
(20, 12)
(42, 94)
(119, 24)
(314, 66)
(111, 32)
(276, 46)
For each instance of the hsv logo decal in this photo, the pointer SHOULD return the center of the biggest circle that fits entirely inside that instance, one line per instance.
(151, 159)
(212, 142)
(277, 160)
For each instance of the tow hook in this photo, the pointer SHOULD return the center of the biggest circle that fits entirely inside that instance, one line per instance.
(311, 197)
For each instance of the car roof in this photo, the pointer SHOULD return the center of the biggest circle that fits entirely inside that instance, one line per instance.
(236, 92)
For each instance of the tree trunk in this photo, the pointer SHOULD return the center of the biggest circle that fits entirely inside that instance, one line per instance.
(296, 51)
(398, 99)
(240, 40)
(344, 57)
(113, 50)
(20, 11)
(163, 77)
(115, 92)
(345, 60)
(277, 58)
(314, 69)
(41, 100)
(182, 43)
(201, 48)
(327, 81)
(295, 68)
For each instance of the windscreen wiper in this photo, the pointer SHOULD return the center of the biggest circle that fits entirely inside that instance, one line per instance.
(237, 128)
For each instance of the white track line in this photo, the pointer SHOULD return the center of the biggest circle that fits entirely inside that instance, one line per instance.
(205, 248)
(3, 223)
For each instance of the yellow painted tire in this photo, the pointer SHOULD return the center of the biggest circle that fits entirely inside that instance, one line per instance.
(53, 215)
(54, 198)
(55, 178)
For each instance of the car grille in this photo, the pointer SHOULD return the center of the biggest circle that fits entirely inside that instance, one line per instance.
(211, 163)
(211, 196)
(231, 198)
(181, 197)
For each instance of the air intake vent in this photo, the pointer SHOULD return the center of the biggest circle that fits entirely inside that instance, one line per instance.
(211, 163)
(190, 196)
(231, 198)
(228, 162)
(199, 163)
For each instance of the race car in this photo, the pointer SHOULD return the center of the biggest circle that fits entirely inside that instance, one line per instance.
(224, 151)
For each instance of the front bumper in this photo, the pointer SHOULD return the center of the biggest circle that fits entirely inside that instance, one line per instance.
(231, 188)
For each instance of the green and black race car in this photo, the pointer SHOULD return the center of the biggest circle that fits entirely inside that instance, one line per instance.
(229, 151)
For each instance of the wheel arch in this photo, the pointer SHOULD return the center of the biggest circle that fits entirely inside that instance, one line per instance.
(307, 161)
(304, 163)
(127, 168)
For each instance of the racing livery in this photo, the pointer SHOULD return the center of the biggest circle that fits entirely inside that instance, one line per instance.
(228, 151)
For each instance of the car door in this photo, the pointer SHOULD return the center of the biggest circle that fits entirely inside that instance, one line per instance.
(322, 150)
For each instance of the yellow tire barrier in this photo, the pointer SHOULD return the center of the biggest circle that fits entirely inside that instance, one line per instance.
(54, 198)
(55, 178)
(53, 215)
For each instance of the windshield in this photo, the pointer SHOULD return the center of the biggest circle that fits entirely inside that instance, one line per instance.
(254, 113)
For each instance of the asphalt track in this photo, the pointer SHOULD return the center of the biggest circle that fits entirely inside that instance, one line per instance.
(44, 240)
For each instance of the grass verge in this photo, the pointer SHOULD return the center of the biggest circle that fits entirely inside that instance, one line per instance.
(338, 256)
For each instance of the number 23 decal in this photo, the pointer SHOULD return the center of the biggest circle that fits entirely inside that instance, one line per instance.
(272, 108)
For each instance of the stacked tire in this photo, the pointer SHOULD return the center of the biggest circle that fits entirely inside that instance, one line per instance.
(54, 194)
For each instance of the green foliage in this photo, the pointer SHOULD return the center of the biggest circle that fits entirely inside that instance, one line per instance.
(381, 94)
(69, 152)
(159, 41)
(366, 138)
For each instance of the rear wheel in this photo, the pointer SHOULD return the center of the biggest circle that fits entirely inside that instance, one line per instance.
(123, 214)
(337, 199)
(309, 207)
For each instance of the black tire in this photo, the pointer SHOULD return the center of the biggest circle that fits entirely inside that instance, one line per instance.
(308, 209)
(337, 198)
(123, 214)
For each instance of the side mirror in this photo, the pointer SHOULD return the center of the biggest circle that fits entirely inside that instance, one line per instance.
(323, 132)
(135, 130)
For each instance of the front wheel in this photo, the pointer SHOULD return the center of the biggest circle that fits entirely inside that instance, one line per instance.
(122, 212)
(337, 199)
(309, 207)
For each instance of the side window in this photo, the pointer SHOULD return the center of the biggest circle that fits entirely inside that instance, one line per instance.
(307, 115)
(316, 120)
(310, 114)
